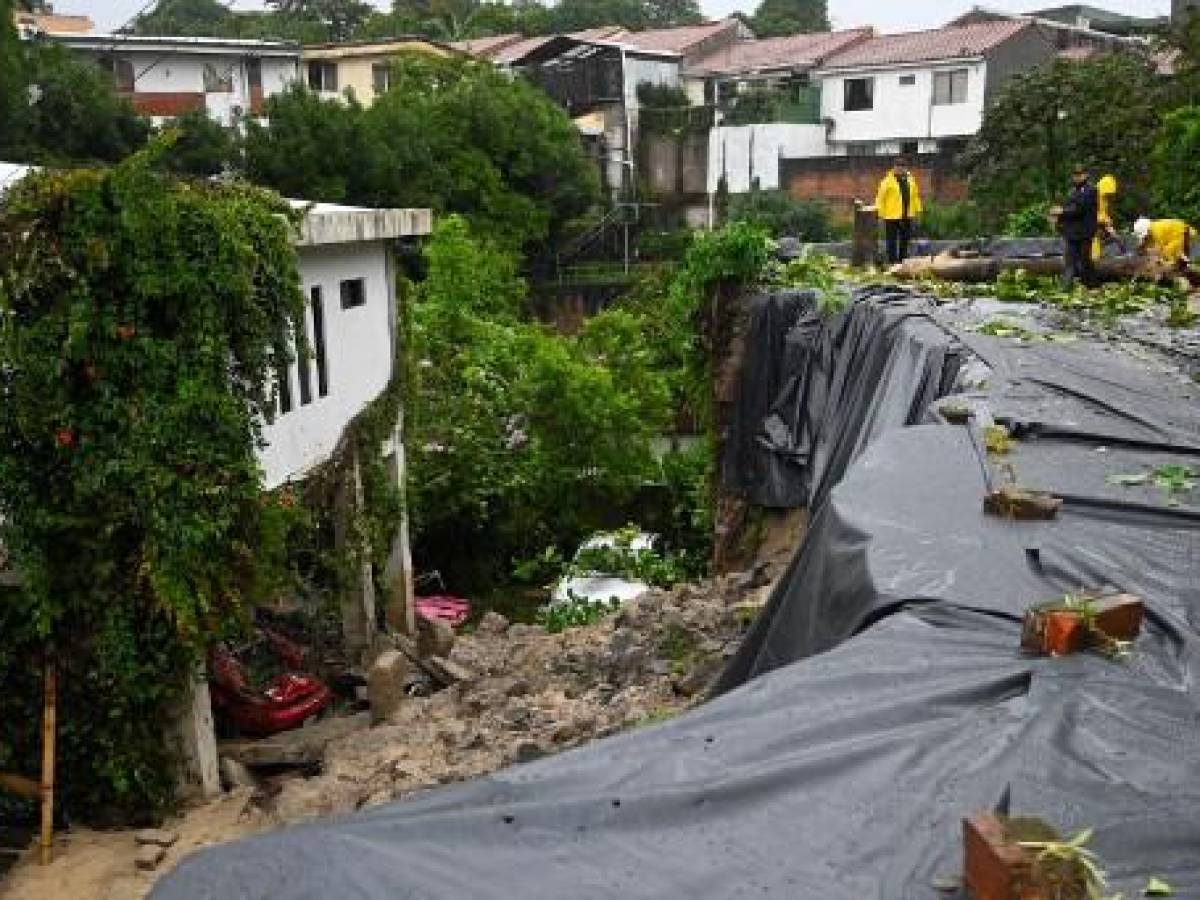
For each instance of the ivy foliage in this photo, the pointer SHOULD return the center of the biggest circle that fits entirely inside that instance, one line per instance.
(142, 321)
(1176, 166)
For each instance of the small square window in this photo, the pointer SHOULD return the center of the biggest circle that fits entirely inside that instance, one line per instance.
(354, 293)
(322, 76)
(908, 80)
(860, 94)
(950, 87)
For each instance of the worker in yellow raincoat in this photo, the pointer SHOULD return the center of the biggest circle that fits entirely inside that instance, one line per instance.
(898, 203)
(1106, 195)
(1171, 239)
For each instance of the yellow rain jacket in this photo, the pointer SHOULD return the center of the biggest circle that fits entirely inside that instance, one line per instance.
(1106, 195)
(1169, 238)
(888, 202)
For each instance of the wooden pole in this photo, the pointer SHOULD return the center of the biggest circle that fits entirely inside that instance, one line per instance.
(49, 732)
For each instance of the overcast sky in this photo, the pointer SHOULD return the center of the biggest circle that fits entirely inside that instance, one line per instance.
(892, 15)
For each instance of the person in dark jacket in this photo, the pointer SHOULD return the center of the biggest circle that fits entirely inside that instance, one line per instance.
(1078, 221)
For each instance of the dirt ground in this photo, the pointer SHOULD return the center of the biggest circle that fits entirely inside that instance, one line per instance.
(531, 694)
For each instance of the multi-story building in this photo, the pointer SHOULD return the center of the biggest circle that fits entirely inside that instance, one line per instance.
(362, 67)
(166, 76)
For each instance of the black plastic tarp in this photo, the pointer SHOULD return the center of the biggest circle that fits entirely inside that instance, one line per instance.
(881, 696)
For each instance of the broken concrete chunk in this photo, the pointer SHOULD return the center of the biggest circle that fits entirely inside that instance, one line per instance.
(448, 672)
(301, 747)
(492, 623)
(159, 837)
(236, 775)
(435, 637)
(385, 684)
(1022, 505)
(148, 857)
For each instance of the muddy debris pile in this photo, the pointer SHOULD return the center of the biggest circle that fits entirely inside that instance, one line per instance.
(520, 693)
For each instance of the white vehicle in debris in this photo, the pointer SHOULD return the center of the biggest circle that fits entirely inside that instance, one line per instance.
(582, 583)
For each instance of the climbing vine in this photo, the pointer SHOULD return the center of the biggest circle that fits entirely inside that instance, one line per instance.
(142, 321)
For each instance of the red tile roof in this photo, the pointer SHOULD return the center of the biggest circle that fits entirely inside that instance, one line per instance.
(793, 51)
(674, 40)
(927, 46)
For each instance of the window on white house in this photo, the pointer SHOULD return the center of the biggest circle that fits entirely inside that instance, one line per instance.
(318, 321)
(354, 293)
(218, 79)
(908, 80)
(284, 375)
(909, 148)
(303, 360)
(121, 71)
(860, 93)
(950, 87)
(254, 74)
(381, 77)
(322, 76)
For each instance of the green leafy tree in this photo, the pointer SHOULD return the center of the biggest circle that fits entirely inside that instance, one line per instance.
(1175, 166)
(202, 146)
(454, 135)
(520, 437)
(72, 113)
(13, 84)
(341, 18)
(1101, 113)
(780, 17)
(187, 17)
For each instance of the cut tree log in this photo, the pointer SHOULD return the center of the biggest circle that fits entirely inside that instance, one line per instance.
(300, 748)
(977, 269)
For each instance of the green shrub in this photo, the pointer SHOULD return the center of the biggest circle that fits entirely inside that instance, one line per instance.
(780, 214)
(661, 96)
(1032, 221)
(950, 221)
(1175, 165)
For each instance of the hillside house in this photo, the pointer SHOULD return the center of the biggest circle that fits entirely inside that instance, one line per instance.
(47, 21)
(362, 67)
(768, 105)
(166, 76)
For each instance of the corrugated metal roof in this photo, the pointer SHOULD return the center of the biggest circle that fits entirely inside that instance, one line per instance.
(927, 46)
(486, 46)
(793, 51)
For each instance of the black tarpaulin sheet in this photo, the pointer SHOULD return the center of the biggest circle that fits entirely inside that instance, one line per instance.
(878, 699)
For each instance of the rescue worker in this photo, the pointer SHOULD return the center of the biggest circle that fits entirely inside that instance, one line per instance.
(898, 202)
(1077, 221)
(1171, 239)
(1106, 196)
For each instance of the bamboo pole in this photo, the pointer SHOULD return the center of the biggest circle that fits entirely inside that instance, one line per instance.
(49, 731)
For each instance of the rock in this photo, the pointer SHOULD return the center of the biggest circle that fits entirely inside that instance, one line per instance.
(148, 857)
(385, 684)
(235, 774)
(516, 718)
(519, 688)
(435, 637)
(696, 680)
(448, 672)
(492, 623)
(660, 667)
(521, 630)
(527, 751)
(156, 837)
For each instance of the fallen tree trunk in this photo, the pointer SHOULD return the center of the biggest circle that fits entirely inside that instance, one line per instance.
(975, 269)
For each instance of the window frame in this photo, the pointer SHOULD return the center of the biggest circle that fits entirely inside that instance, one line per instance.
(909, 79)
(381, 85)
(869, 104)
(326, 76)
(951, 87)
(352, 292)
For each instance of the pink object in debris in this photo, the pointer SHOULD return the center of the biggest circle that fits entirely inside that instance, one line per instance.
(451, 609)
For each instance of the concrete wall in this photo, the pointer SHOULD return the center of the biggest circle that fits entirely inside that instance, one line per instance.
(904, 111)
(359, 358)
(675, 165)
(1023, 52)
(841, 180)
(739, 151)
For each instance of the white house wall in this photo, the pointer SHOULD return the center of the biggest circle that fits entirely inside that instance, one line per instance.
(904, 112)
(730, 148)
(358, 353)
